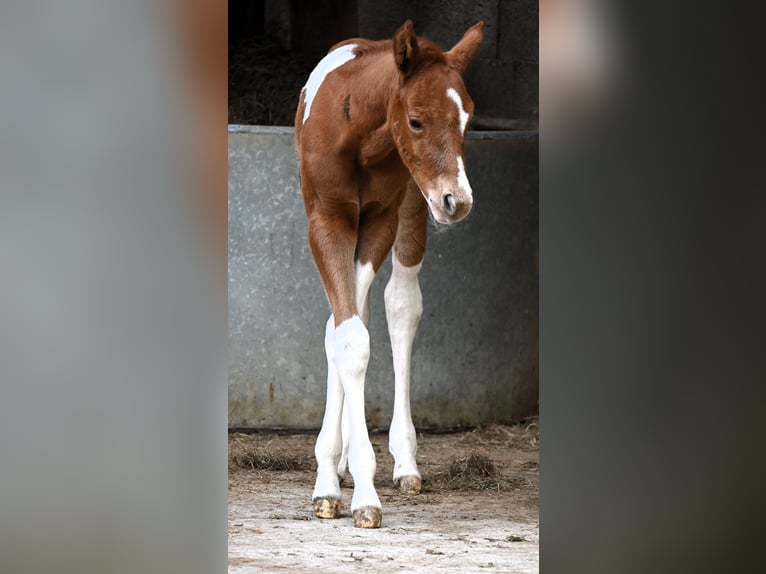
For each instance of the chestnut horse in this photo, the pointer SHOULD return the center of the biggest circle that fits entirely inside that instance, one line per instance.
(379, 136)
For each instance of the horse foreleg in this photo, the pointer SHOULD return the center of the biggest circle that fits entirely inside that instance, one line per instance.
(404, 306)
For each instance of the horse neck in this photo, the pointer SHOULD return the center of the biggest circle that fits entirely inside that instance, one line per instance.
(374, 85)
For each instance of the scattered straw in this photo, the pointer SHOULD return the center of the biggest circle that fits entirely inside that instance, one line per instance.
(475, 465)
(262, 459)
(523, 436)
(473, 472)
(244, 454)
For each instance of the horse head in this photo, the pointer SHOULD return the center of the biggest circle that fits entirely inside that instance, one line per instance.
(428, 116)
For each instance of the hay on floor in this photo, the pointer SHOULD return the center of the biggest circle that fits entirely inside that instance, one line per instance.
(244, 454)
(476, 471)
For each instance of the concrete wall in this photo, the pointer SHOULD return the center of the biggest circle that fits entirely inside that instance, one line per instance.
(475, 355)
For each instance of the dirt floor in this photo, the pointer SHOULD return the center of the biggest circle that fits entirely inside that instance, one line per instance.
(478, 511)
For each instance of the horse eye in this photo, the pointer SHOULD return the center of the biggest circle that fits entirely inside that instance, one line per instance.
(416, 124)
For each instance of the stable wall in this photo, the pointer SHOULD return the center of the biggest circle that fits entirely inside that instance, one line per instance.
(475, 354)
(503, 80)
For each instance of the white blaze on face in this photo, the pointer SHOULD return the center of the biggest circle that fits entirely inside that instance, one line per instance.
(462, 178)
(330, 62)
(455, 97)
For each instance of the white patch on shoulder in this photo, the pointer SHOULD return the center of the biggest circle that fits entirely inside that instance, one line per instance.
(455, 97)
(462, 178)
(331, 61)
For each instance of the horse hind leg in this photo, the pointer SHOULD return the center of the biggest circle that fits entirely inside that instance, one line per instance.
(352, 353)
(343, 462)
(338, 240)
(326, 498)
(376, 234)
(363, 307)
(351, 356)
(332, 238)
(348, 352)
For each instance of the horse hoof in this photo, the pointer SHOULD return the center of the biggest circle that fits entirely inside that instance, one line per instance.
(408, 484)
(368, 517)
(327, 507)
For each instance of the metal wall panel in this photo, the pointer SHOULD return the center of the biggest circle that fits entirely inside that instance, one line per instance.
(475, 354)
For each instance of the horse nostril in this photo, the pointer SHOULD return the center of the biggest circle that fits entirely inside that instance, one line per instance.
(449, 203)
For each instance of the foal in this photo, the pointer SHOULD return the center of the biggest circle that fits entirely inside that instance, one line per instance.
(379, 136)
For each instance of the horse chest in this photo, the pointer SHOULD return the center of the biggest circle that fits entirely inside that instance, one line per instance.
(384, 185)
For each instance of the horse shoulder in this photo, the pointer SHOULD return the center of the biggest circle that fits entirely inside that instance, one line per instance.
(376, 146)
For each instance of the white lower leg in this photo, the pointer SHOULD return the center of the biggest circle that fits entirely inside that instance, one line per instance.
(344, 450)
(328, 444)
(352, 353)
(364, 276)
(404, 307)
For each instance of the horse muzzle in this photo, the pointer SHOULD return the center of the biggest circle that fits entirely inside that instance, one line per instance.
(449, 205)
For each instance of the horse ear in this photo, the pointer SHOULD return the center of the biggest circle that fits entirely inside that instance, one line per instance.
(467, 48)
(406, 51)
